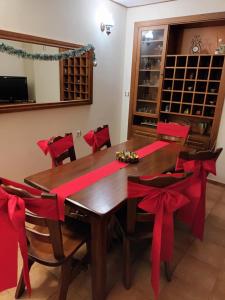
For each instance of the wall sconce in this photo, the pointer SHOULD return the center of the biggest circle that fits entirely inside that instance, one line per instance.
(106, 27)
(104, 17)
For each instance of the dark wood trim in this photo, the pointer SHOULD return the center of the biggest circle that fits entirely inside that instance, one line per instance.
(27, 38)
(218, 110)
(21, 37)
(184, 20)
(39, 106)
(133, 78)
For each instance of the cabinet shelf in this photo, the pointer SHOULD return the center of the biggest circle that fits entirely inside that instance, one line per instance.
(76, 78)
(143, 114)
(147, 101)
(151, 41)
(153, 55)
(148, 85)
(149, 70)
(187, 115)
(190, 92)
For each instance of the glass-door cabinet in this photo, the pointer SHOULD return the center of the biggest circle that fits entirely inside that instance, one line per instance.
(151, 49)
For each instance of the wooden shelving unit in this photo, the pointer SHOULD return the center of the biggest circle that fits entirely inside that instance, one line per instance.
(171, 84)
(76, 78)
(188, 88)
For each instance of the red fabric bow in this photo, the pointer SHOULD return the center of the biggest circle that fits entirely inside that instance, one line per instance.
(173, 129)
(12, 230)
(194, 213)
(97, 139)
(161, 202)
(57, 148)
(43, 145)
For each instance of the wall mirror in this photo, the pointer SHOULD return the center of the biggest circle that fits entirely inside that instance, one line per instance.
(27, 84)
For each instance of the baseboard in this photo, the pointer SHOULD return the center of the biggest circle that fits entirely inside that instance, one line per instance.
(216, 182)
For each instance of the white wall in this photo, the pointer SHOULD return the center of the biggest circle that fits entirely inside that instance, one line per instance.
(160, 11)
(11, 65)
(72, 21)
(46, 76)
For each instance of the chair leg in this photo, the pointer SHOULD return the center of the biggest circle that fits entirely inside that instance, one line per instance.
(127, 263)
(168, 272)
(66, 273)
(88, 245)
(21, 286)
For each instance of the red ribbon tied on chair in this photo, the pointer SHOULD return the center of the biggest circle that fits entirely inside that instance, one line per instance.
(56, 148)
(194, 213)
(43, 145)
(97, 139)
(12, 211)
(12, 230)
(161, 202)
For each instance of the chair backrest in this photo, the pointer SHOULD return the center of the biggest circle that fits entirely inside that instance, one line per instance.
(102, 136)
(201, 155)
(98, 138)
(45, 230)
(136, 215)
(61, 148)
(173, 132)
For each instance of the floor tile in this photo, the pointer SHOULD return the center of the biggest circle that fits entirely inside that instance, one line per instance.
(218, 292)
(219, 210)
(179, 290)
(214, 230)
(208, 252)
(120, 293)
(199, 267)
(201, 276)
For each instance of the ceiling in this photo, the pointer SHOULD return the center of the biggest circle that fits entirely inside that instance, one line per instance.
(133, 3)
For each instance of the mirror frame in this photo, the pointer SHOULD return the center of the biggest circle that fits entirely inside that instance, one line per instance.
(20, 37)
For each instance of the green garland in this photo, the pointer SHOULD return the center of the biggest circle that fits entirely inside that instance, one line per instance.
(51, 57)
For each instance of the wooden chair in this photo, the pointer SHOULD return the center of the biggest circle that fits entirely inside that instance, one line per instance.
(139, 224)
(201, 163)
(107, 142)
(59, 155)
(201, 155)
(51, 243)
(173, 132)
(98, 138)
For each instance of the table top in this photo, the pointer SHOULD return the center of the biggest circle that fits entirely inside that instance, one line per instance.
(107, 194)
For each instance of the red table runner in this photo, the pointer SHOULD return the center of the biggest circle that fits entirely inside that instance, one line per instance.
(77, 184)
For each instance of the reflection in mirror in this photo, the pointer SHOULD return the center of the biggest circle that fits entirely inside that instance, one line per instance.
(26, 80)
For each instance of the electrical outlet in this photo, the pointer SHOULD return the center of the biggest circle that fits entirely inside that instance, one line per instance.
(78, 133)
(127, 93)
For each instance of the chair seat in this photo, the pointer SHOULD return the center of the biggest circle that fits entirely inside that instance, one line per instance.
(74, 236)
(142, 231)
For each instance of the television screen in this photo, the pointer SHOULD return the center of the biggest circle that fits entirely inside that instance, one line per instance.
(13, 89)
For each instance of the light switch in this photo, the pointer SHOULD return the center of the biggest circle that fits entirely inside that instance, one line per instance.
(78, 133)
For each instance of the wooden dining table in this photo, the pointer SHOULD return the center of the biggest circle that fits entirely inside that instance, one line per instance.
(102, 199)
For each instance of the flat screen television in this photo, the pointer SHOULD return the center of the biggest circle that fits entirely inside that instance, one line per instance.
(13, 89)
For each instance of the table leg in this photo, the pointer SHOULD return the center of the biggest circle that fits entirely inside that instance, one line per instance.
(98, 257)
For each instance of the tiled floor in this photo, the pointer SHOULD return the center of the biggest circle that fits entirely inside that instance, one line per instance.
(199, 267)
